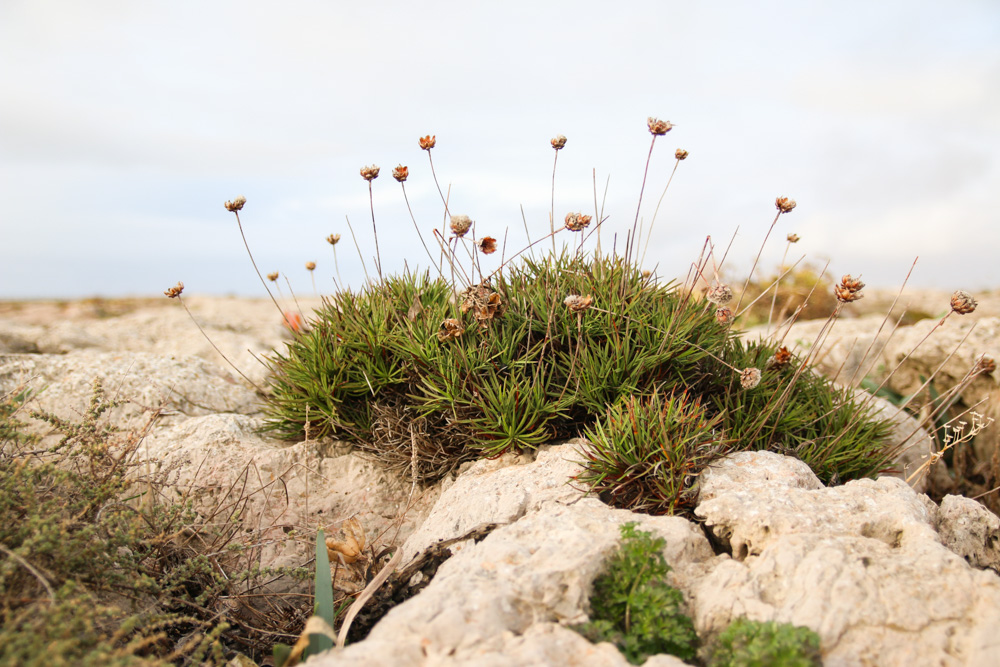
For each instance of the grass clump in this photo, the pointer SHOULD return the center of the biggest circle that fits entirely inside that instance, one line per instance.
(747, 643)
(422, 378)
(634, 608)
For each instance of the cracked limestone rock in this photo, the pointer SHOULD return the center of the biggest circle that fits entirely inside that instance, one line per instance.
(971, 531)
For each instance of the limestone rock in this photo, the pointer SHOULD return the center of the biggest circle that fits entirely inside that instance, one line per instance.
(501, 601)
(860, 564)
(971, 531)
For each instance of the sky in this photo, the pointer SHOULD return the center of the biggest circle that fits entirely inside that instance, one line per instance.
(124, 127)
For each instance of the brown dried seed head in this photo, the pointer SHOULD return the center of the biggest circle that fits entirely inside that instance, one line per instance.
(724, 316)
(781, 358)
(487, 245)
(272, 276)
(646, 273)
(720, 294)
(984, 364)
(962, 302)
(680, 154)
(460, 224)
(175, 291)
(333, 239)
(450, 328)
(577, 303)
(784, 204)
(310, 266)
(793, 238)
(369, 173)
(400, 173)
(558, 142)
(749, 378)
(577, 222)
(849, 289)
(428, 142)
(659, 127)
(236, 204)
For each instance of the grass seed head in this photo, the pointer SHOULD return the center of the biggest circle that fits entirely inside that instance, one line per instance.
(577, 303)
(749, 378)
(460, 224)
(720, 294)
(577, 222)
(558, 142)
(487, 245)
(450, 328)
(784, 204)
(849, 289)
(962, 302)
(236, 204)
(659, 127)
(175, 291)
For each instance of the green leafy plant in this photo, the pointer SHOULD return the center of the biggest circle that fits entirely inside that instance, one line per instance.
(747, 643)
(633, 607)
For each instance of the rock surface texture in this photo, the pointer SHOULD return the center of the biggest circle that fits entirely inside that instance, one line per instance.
(879, 571)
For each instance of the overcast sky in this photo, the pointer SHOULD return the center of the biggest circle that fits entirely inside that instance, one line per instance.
(124, 126)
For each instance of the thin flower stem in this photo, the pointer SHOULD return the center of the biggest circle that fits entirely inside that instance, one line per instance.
(774, 297)
(638, 208)
(361, 256)
(649, 234)
(247, 245)
(259, 390)
(416, 227)
(756, 260)
(378, 255)
(552, 210)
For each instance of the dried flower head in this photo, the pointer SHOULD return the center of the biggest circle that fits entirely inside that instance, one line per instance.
(784, 204)
(460, 224)
(749, 378)
(577, 222)
(984, 364)
(658, 127)
(450, 328)
(272, 276)
(484, 303)
(720, 294)
(333, 239)
(369, 173)
(236, 204)
(558, 142)
(724, 316)
(780, 359)
(310, 266)
(400, 173)
(428, 142)
(680, 154)
(577, 303)
(793, 238)
(175, 291)
(646, 273)
(849, 289)
(962, 302)
(487, 245)
(294, 322)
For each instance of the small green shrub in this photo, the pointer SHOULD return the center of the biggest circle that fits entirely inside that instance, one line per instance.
(634, 608)
(747, 643)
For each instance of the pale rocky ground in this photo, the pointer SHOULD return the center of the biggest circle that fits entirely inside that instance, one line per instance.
(884, 575)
